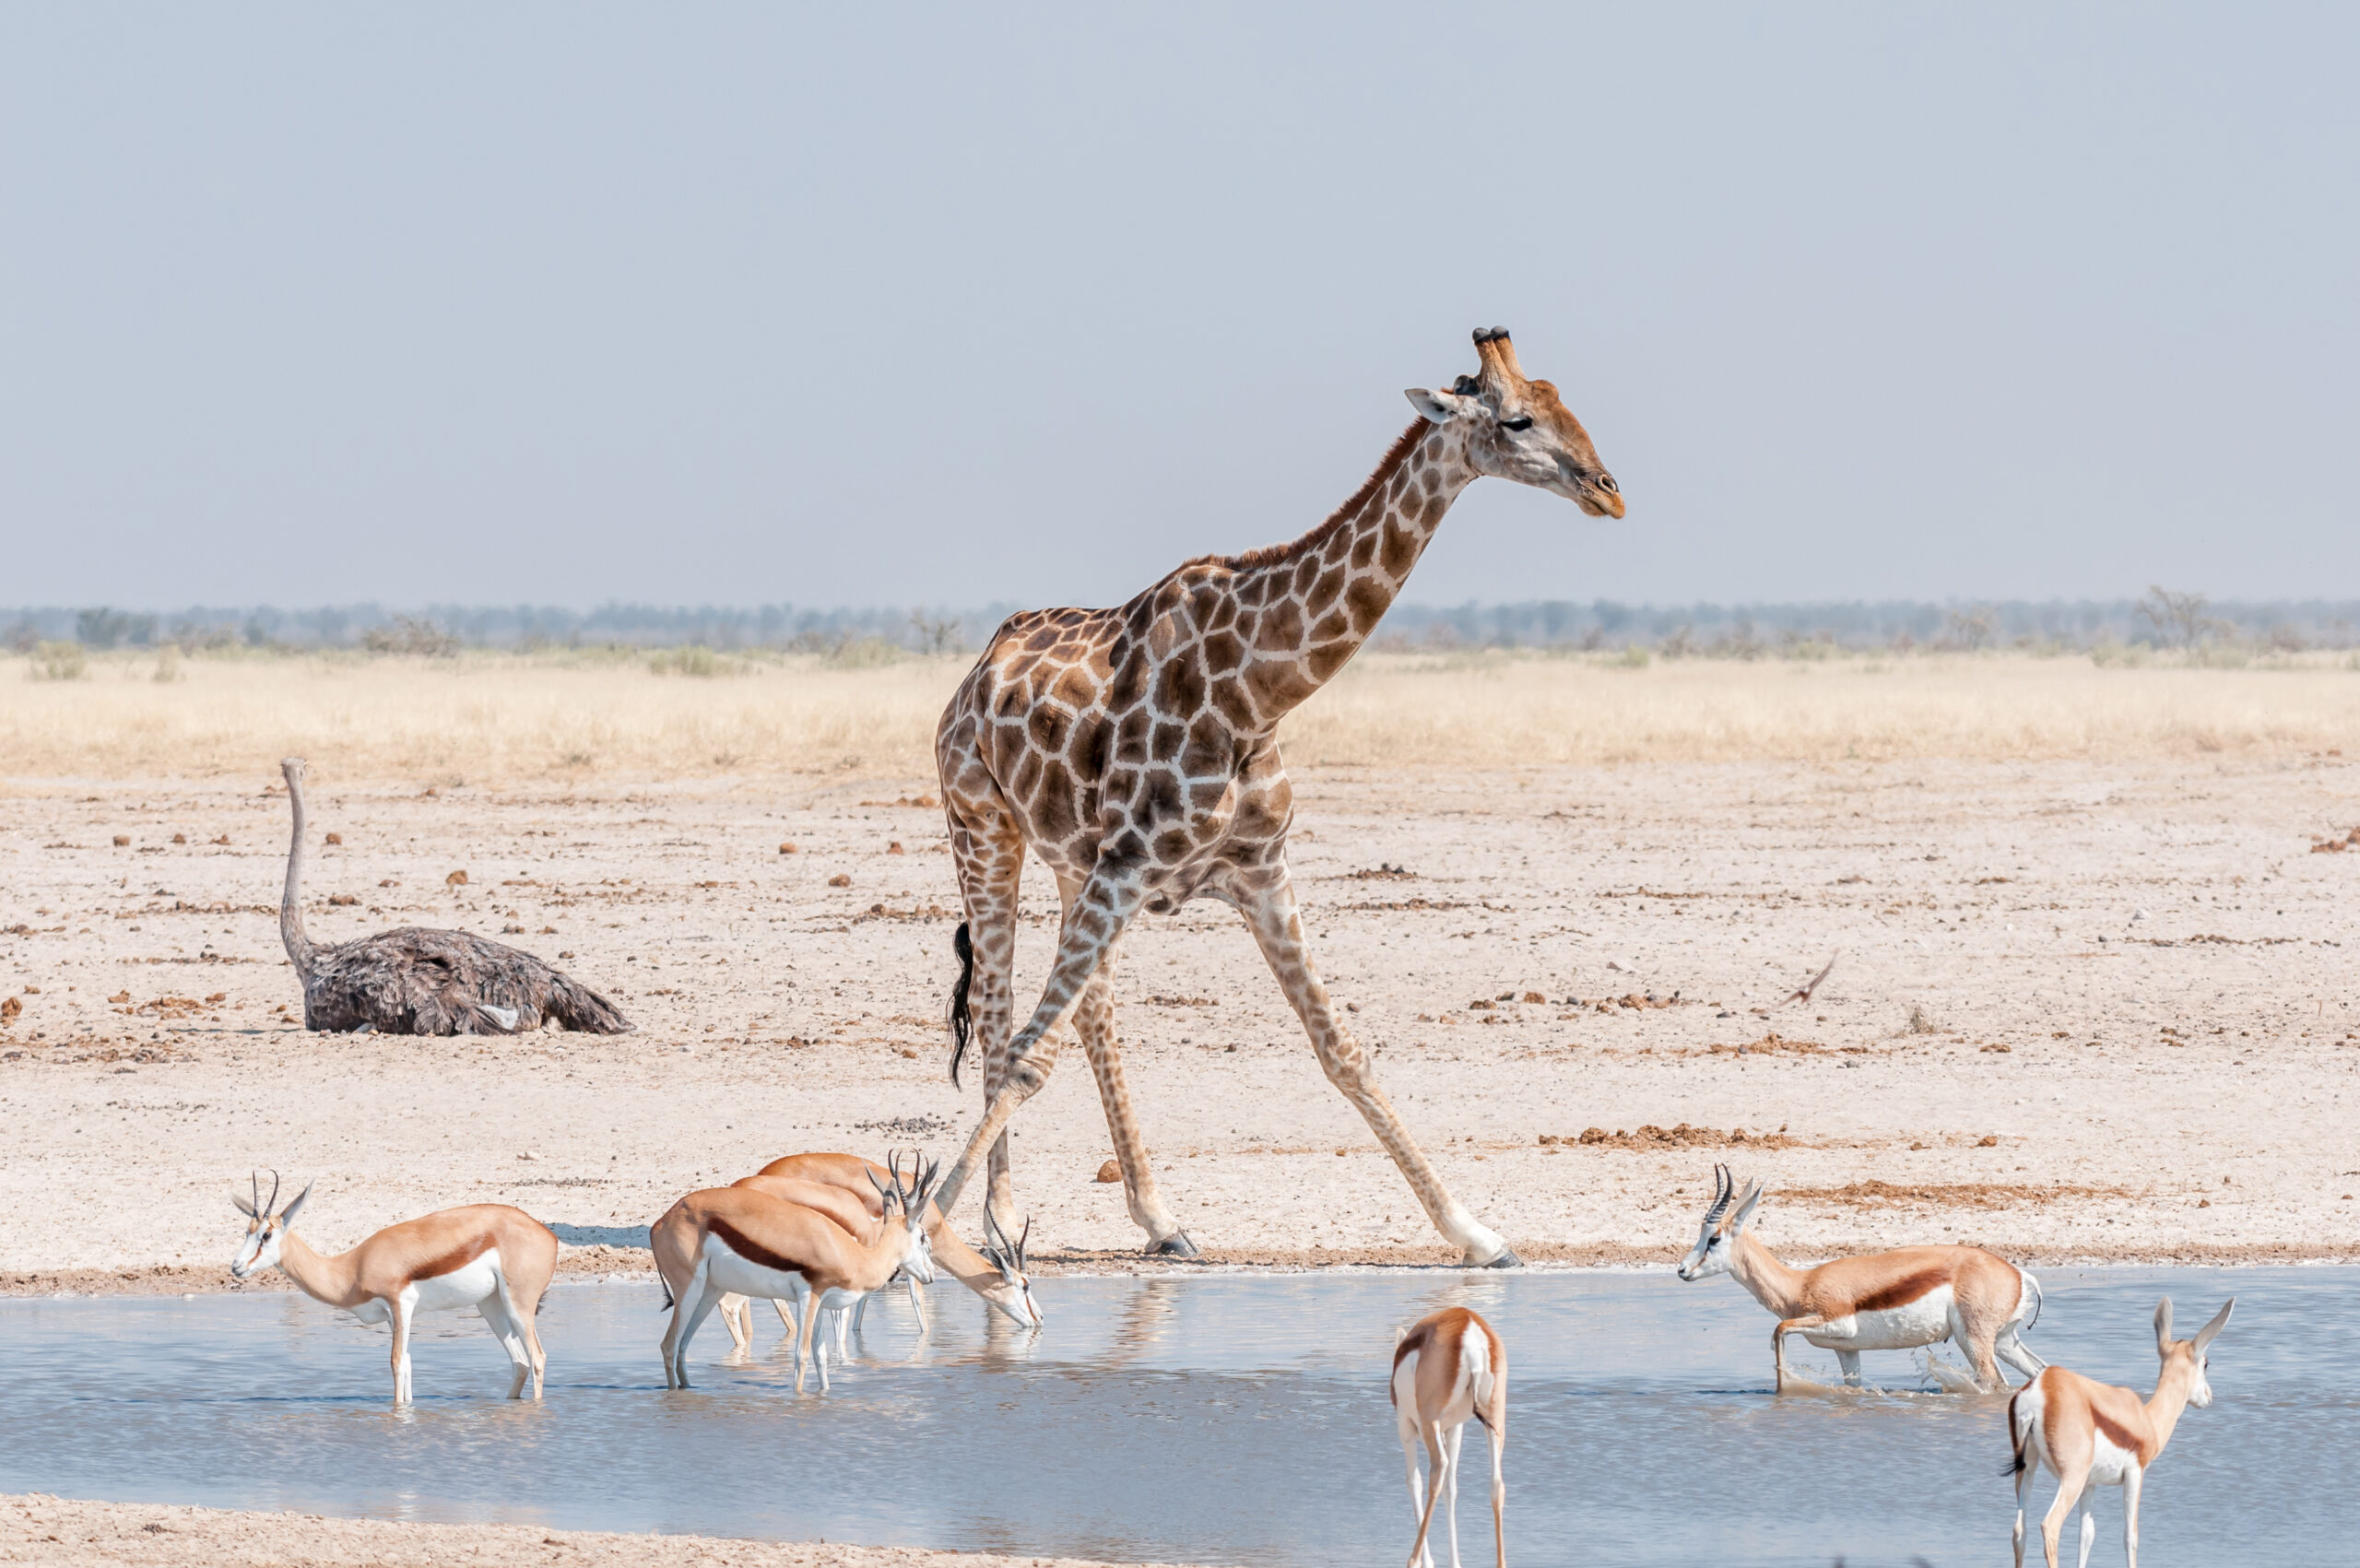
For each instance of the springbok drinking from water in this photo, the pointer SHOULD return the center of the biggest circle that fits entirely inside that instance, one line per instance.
(846, 1210)
(2088, 1433)
(486, 1256)
(723, 1240)
(997, 1273)
(1886, 1300)
(1447, 1367)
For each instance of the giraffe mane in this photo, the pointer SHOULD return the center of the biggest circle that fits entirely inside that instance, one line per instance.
(1274, 555)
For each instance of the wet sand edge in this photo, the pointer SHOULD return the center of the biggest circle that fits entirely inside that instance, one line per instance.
(37, 1527)
(632, 1264)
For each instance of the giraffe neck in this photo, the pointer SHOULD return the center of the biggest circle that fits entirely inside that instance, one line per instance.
(1306, 607)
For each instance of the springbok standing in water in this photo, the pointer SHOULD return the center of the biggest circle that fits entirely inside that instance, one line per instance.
(485, 1255)
(997, 1273)
(1886, 1300)
(726, 1240)
(837, 1204)
(2088, 1433)
(1448, 1367)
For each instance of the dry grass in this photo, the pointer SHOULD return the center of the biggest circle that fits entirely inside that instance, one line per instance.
(501, 718)
(1503, 709)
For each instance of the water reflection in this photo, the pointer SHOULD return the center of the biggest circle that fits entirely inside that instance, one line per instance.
(1182, 1417)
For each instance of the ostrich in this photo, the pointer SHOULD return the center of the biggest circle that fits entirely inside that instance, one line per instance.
(414, 981)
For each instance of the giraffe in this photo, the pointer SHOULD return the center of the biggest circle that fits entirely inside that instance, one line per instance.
(1133, 749)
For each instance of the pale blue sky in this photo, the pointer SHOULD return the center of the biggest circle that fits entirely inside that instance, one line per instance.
(853, 305)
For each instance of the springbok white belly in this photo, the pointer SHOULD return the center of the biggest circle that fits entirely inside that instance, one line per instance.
(1924, 1321)
(464, 1287)
(2110, 1463)
(725, 1270)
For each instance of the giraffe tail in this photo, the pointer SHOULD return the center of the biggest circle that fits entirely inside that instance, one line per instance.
(962, 1021)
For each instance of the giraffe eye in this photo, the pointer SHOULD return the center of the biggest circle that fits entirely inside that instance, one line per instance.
(1521, 422)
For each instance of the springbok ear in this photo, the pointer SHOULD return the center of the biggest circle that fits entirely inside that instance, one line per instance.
(2220, 1321)
(245, 1205)
(287, 1214)
(2162, 1325)
(1753, 1196)
(1439, 407)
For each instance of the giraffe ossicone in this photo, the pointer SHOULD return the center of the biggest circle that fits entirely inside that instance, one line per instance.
(1133, 749)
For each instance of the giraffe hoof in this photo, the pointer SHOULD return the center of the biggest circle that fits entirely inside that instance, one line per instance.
(1176, 1245)
(1507, 1259)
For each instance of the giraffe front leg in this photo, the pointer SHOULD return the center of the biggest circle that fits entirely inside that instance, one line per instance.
(1277, 925)
(1093, 1021)
(1093, 924)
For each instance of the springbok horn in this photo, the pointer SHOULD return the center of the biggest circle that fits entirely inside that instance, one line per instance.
(273, 1192)
(1024, 1240)
(1722, 1187)
(256, 1178)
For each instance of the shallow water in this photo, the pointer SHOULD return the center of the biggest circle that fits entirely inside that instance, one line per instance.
(1189, 1418)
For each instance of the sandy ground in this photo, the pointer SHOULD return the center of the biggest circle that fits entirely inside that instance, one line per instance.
(2133, 991)
(59, 1531)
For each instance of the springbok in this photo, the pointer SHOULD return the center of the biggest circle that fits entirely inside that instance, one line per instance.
(485, 1255)
(1448, 1366)
(2088, 1433)
(838, 1204)
(737, 1239)
(1886, 1300)
(997, 1273)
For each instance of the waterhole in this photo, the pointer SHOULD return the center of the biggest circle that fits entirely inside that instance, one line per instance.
(1189, 1418)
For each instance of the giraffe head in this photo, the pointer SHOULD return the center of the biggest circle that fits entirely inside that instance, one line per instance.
(1518, 430)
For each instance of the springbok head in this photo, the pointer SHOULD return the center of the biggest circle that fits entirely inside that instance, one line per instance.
(264, 1230)
(1718, 1235)
(1518, 430)
(1013, 1295)
(909, 1200)
(2199, 1387)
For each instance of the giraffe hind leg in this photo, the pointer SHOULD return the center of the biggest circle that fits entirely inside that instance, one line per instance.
(1094, 1022)
(1108, 900)
(988, 854)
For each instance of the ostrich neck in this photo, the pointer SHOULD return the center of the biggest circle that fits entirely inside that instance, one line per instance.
(291, 909)
(1322, 596)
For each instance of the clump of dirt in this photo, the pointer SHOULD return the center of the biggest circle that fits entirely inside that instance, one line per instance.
(1633, 1001)
(1680, 1137)
(1953, 1195)
(174, 1006)
(1382, 873)
(1777, 1044)
(916, 911)
(1161, 1000)
(2334, 845)
(923, 1125)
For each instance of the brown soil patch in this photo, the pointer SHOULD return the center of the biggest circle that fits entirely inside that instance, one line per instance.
(1952, 1195)
(1680, 1137)
(1776, 1045)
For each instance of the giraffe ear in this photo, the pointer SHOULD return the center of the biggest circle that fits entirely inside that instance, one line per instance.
(1439, 407)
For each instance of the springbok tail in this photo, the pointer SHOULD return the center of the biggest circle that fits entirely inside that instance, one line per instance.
(2019, 1438)
(962, 1020)
(2039, 1298)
